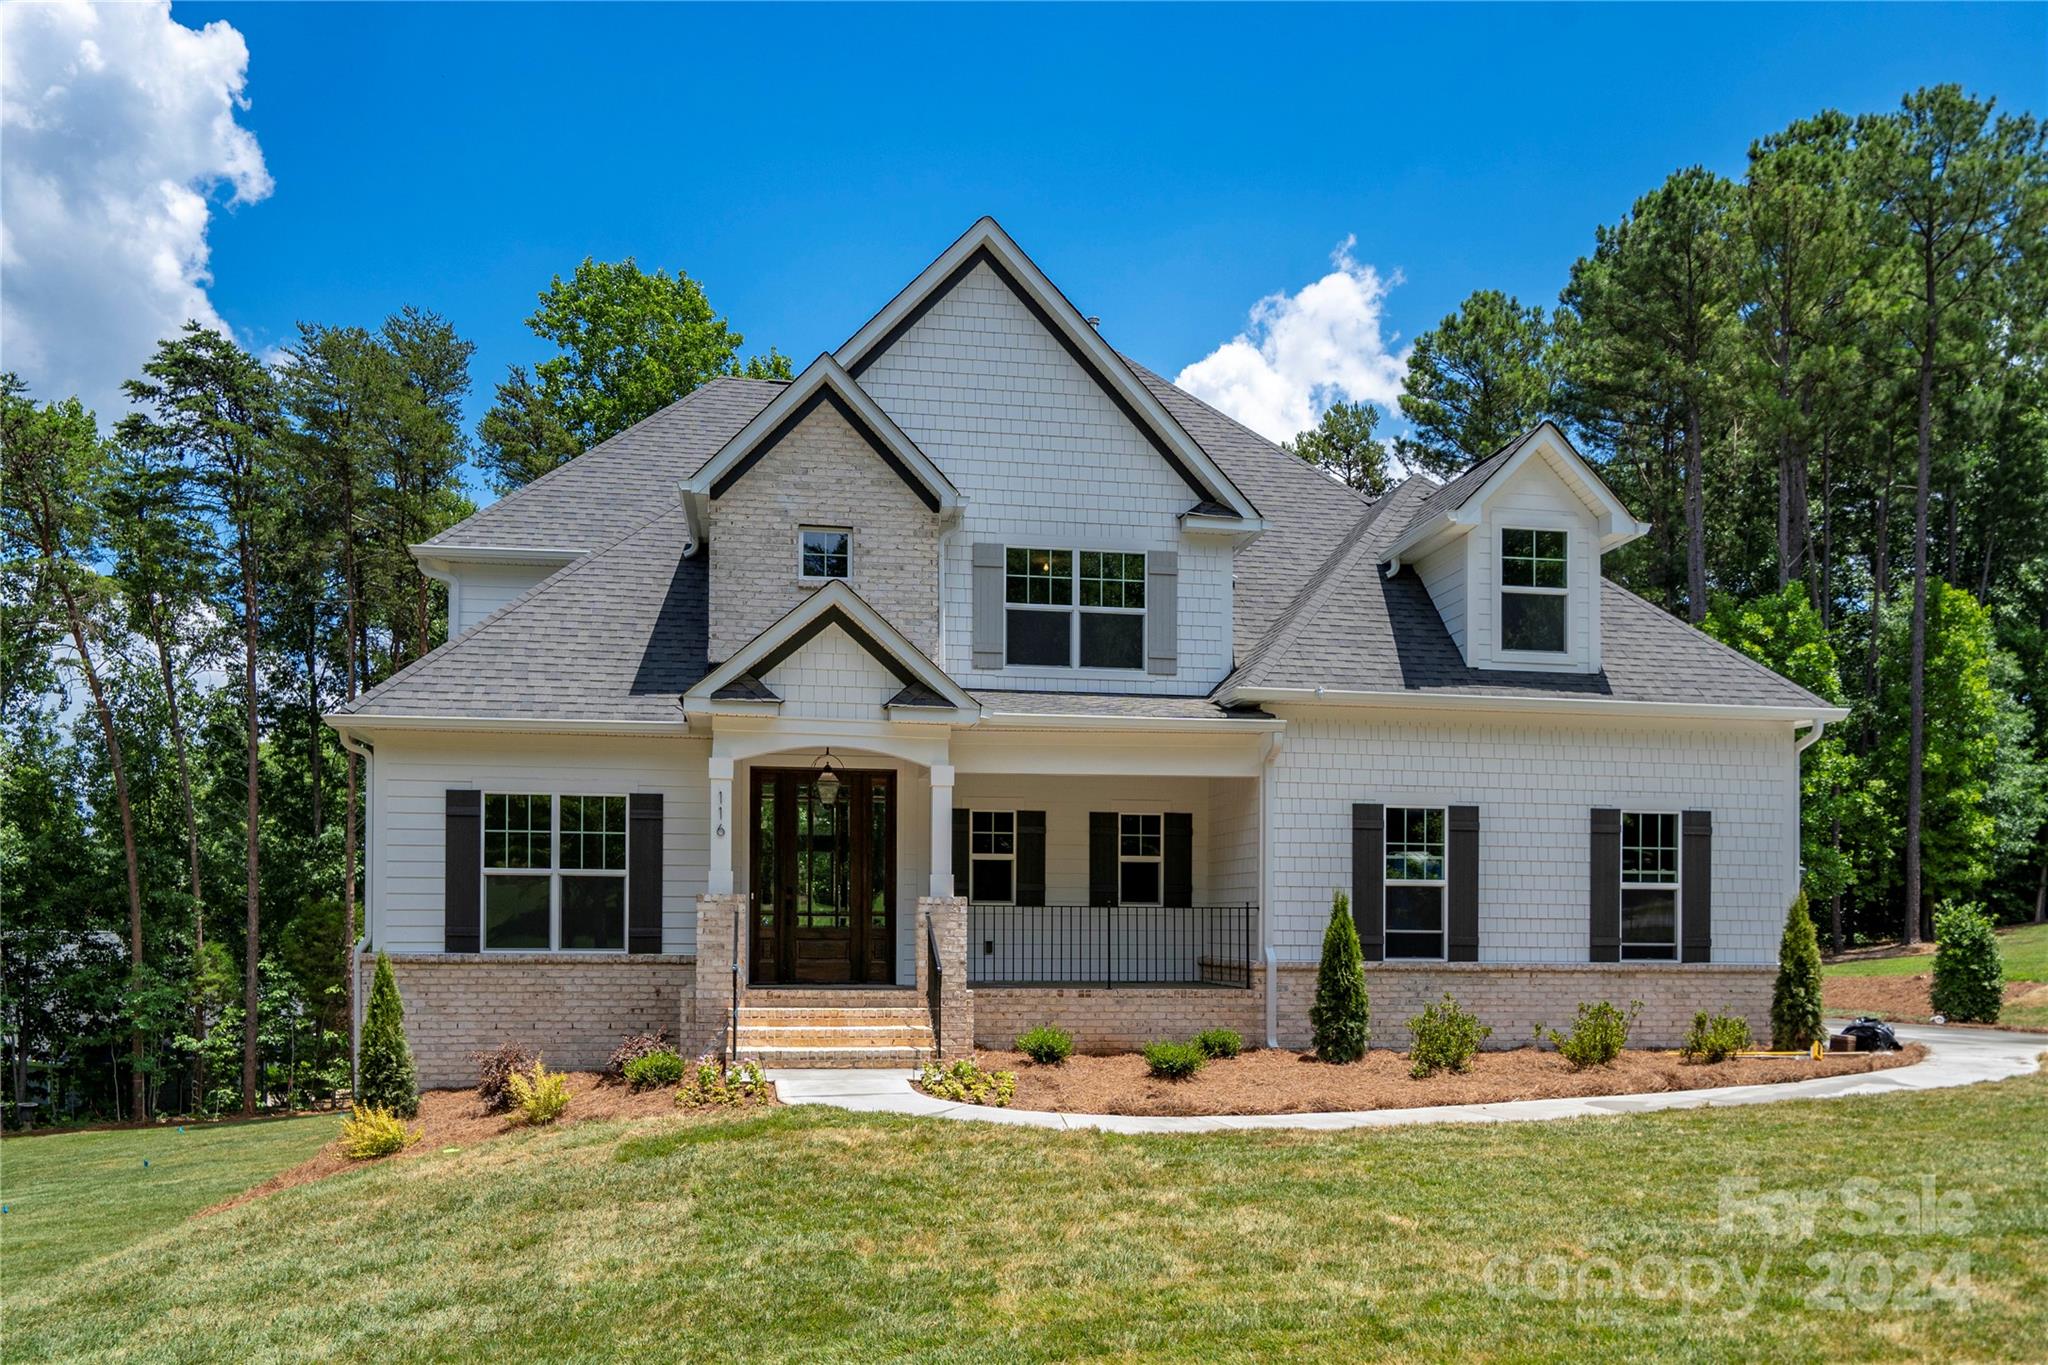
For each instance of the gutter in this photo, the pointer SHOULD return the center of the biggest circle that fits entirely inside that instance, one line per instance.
(340, 719)
(1806, 740)
(368, 753)
(1040, 720)
(1401, 699)
(1274, 743)
(496, 554)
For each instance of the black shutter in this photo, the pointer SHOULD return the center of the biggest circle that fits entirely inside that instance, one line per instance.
(643, 880)
(1102, 859)
(1463, 878)
(1178, 853)
(1369, 878)
(1030, 857)
(960, 853)
(462, 881)
(1696, 885)
(1604, 902)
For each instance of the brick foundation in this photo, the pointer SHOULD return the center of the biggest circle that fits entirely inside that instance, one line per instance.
(570, 1010)
(1116, 1020)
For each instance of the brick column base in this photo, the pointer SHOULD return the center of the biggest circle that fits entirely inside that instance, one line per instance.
(947, 916)
(711, 1001)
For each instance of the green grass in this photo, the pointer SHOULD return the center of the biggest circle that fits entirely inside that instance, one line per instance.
(71, 1197)
(2025, 950)
(817, 1234)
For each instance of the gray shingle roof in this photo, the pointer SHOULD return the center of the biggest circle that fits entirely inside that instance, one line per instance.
(1455, 493)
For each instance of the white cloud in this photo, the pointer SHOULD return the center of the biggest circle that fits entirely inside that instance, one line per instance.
(121, 141)
(1305, 351)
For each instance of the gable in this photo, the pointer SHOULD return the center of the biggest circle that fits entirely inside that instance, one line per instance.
(831, 676)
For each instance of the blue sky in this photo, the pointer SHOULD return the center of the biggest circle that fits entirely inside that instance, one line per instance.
(1168, 167)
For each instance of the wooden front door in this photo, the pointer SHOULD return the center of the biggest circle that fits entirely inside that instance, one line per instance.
(823, 878)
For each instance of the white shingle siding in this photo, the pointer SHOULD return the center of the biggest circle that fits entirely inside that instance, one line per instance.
(1044, 458)
(1233, 850)
(484, 588)
(1067, 801)
(832, 678)
(1534, 497)
(1443, 573)
(1535, 782)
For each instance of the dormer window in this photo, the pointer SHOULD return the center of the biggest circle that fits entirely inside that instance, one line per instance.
(824, 552)
(1532, 591)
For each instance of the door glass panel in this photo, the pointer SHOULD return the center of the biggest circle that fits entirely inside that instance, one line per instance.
(879, 855)
(824, 859)
(767, 882)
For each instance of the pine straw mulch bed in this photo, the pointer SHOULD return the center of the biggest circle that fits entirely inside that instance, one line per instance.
(1279, 1082)
(455, 1118)
(1905, 997)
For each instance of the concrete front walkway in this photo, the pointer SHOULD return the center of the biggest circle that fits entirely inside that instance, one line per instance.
(1956, 1056)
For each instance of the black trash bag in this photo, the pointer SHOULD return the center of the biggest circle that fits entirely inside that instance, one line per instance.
(1872, 1035)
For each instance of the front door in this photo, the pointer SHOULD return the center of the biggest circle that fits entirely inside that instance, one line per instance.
(823, 867)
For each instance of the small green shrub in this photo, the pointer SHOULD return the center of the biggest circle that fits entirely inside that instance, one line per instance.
(371, 1132)
(1446, 1037)
(1340, 1020)
(1598, 1035)
(715, 1085)
(966, 1082)
(1795, 997)
(1174, 1061)
(1046, 1045)
(1716, 1039)
(539, 1098)
(495, 1070)
(385, 1076)
(1969, 974)
(653, 1069)
(1219, 1042)
(631, 1046)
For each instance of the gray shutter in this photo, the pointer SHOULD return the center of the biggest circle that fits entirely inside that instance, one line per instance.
(1369, 878)
(961, 855)
(988, 606)
(1162, 612)
(1177, 854)
(1102, 859)
(1030, 888)
(1463, 879)
(1604, 902)
(643, 879)
(1696, 885)
(462, 882)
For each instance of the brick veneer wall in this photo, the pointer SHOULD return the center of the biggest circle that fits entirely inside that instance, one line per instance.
(570, 1010)
(1118, 1020)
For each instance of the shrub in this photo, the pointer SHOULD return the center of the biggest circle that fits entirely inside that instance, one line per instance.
(494, 1075)
(1219, 1042)
(1341, 1017)
(371, 1132)
(1969, 974)
(1046, 1045)
(633, 1045)
(652, 1069)
(716, 1084)
(966, 1082)
(1715, 1039)
(538, 1098)
(1795, 999)
(1446, 1036)
(1174, 1061)
(385, 1075)
(1598, 1035)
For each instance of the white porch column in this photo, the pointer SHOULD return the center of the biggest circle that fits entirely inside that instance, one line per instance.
(720, 882)
(942, 829)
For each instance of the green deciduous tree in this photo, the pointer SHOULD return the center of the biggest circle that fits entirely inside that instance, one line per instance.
(1342, 445)
(1480, 378)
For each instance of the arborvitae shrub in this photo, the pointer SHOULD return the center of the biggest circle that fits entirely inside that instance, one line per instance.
(386, 1078)
(1969, 974)
(1340, 1020)
(1795, 999)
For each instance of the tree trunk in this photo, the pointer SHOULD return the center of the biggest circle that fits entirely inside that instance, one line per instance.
(348, 763)
(1954, 520)
(1695, 519)
(1880, 571)
(1916, 732)
(1835, 901)
(313, 754)
(2041, 895)
(1784, 455)
(177, 724)
(1826, 602)
(251, 950)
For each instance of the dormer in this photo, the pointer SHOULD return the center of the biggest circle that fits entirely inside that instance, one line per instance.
(1510, 552)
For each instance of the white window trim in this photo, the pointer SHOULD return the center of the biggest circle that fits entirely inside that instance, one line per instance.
(806, 527)
(1443, 885)
(1676, 886)
(1502, 589)
(1074, 610)
(973, 857)
(1158, 859)
(554, 872)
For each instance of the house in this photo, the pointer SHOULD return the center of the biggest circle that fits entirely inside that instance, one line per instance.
(979, 677)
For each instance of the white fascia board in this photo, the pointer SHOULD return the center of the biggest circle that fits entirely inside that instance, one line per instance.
(1189, 725)
(730, 706)
(443, 555)
(987, 233)
(1206, 524)
(931, 715)
(1583, 706)
(370, 724)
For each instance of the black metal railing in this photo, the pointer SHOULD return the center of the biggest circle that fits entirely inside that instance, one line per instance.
(934, 985)
(1111, 945)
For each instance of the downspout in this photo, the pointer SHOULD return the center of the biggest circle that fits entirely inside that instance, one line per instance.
(1274, 743)
(1806, 740)
(368, 753)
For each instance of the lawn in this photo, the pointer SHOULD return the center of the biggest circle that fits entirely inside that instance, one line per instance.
(2024, 949)
(1886, 986)
(820, 1234)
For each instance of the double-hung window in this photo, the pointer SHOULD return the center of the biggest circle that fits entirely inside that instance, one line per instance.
(1074, 608)
(992, 856)
(1138, 859)
(1649, 886)
(1415, 882)
(554, 873)
(1533, 590)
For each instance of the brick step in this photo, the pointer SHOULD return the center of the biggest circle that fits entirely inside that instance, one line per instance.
(848, 1035)
(785, 1018)
(838, 1057)
(833, 998)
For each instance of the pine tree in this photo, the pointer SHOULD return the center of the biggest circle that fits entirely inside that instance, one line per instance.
(1795, 999)
(388, 1080)
(1341, 1018)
